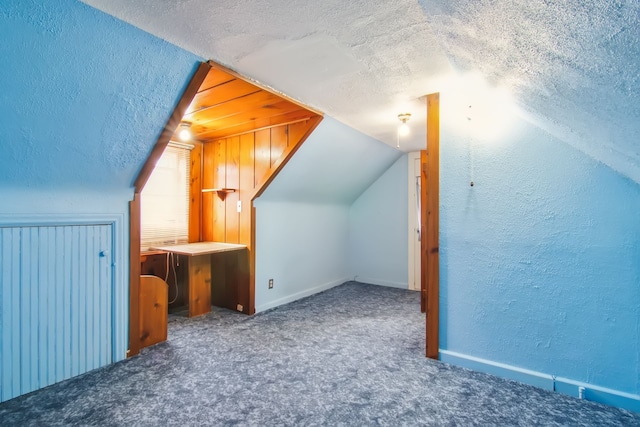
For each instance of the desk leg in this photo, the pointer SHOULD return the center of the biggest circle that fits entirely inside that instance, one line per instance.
(199, 285)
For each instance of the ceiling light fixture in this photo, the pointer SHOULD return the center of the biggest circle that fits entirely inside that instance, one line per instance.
(185, 132)
(403, 129)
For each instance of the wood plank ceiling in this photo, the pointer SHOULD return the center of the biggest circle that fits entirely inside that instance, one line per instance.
(228, 105)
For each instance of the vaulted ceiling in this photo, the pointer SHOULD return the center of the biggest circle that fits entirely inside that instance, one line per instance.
(571, 67)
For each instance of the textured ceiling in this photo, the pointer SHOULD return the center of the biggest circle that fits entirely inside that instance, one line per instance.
(571, 66)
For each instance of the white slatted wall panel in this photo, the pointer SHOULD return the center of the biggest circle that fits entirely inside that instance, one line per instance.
(56, 304)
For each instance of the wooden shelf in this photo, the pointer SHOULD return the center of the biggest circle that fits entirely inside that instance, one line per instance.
(221, 192)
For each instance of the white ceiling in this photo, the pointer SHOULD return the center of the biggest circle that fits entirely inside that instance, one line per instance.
(571, 66)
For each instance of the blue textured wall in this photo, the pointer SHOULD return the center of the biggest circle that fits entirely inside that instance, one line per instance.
(84, 97)
(378, 222)
(540, 259)
(572, 65)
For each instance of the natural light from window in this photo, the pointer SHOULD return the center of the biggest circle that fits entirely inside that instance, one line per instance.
(165, 200)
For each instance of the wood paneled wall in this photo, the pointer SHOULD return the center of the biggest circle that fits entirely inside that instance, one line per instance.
(245, 163)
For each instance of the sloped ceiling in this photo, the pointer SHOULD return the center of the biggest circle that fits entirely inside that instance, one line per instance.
(318, 174)
(571, 66)
(227, 105)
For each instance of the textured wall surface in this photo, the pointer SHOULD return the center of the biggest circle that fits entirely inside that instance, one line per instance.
(378, 222)
(539, 260)
(360, 61)
(84, 96)
(572, 66)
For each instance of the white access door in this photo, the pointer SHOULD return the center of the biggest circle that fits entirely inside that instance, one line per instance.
(414, 221)
(56, 286)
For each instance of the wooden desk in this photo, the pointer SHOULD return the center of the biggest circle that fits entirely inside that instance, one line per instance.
(199, 270)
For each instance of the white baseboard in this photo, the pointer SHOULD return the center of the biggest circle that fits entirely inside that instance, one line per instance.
(549, 382)
(302, 294)
(387, 283)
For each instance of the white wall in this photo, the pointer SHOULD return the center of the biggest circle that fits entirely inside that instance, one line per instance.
(302, 247)
(303, 218)
(378, 222)
(334, 165)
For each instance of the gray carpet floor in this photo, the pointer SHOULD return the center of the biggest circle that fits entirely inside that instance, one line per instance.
(350, 356)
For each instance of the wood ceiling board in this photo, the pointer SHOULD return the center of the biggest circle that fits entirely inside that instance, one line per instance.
(238, 129)
(267, 88)
(220, 94)
(258, 115)
(215, 77)
(255, 114)
(235, 106)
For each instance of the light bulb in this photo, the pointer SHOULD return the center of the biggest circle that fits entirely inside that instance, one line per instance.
(185, 132)
(185, 135)
(404, 130)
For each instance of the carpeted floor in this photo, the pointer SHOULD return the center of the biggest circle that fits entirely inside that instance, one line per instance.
(353, 355)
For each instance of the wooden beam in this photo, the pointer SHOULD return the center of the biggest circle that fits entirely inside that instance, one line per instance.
(232, 108)
(195, 194)
(215, 78)
(206, 222)
(240, 127)
(264, 128)
(134, 276)
(221, 94)
(172, 124)
(252, 263)
(423, 228)
(431, 223)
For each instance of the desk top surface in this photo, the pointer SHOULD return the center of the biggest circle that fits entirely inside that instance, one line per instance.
(200, 248)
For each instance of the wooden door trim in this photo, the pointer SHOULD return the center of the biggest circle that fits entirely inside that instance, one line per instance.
(415, 255)
(135, 342)
(423, 230)
(430, 225)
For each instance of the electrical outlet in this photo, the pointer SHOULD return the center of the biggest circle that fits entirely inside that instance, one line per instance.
(270, 283)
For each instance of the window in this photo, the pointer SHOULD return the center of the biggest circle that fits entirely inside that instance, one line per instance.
(164, 202)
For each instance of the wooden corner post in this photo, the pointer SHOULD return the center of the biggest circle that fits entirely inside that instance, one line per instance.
(430, 225)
